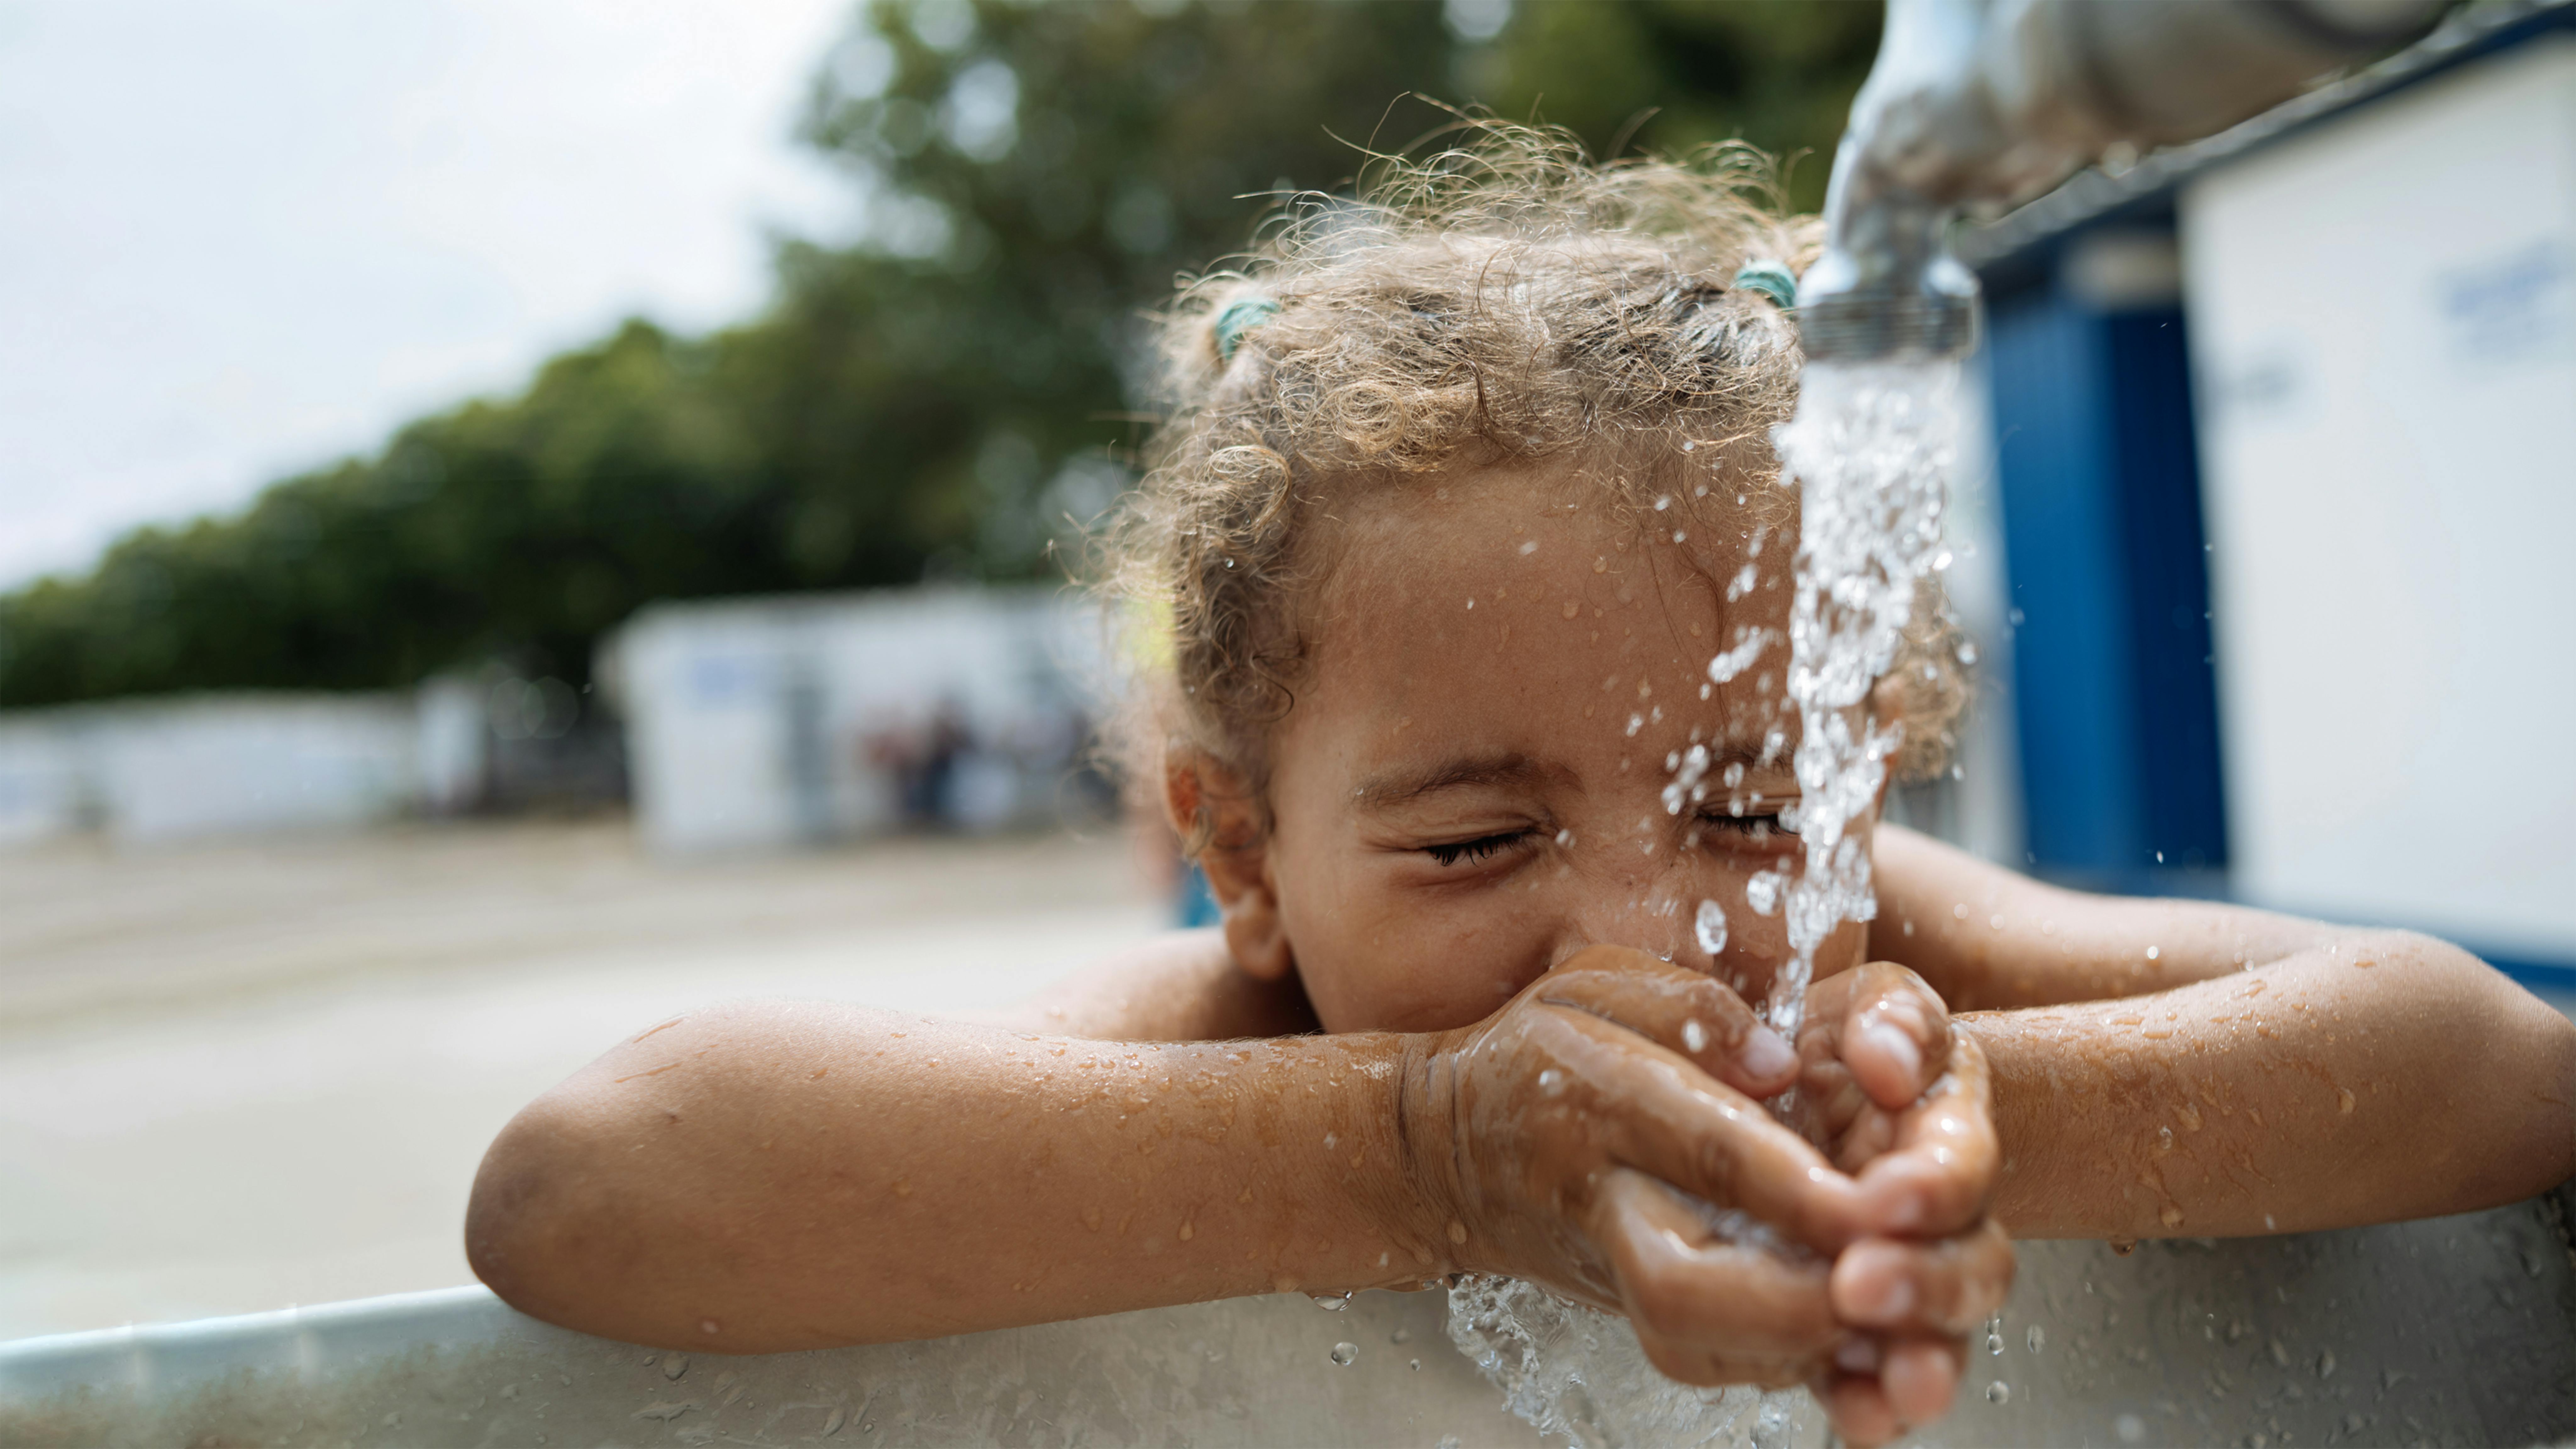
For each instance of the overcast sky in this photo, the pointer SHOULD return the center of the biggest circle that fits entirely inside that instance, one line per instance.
(241, 237)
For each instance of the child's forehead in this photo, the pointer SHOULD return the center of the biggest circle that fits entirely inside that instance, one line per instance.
(1554, 595)
(1554, 526)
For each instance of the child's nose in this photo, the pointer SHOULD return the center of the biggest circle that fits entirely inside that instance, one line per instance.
(1671, 914)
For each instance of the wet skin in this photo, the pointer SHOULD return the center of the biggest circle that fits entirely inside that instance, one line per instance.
(1462, 869)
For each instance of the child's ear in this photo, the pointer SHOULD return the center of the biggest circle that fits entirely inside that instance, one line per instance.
(1210, 805)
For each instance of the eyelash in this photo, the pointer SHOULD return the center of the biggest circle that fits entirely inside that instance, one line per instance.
(1745, 823)
(1486, 847)
(1483, 847)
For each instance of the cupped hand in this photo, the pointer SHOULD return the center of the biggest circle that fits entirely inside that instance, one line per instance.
(1902, 1102)
(1603, 1134)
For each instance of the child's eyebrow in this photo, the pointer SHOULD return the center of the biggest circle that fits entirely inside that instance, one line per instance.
(1405, 784)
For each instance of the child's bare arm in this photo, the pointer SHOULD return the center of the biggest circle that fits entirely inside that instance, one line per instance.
(2251, 1074)
(2385, 1076)
(763, 1176)
(778, 1175)
(1985, 937)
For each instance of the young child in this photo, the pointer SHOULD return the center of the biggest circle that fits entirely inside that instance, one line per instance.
(1465, 488)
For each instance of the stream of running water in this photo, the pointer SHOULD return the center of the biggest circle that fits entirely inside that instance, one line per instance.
(1871, 448)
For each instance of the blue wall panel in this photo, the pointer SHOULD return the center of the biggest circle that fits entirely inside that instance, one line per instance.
(2073, 676)
(2157, 468)
(2097, 467)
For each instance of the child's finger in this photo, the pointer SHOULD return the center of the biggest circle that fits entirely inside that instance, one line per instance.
(1920, 1377)
(1948, 1286)
(1857, 1406)
(1937, 1177)
(1681, 1283)
(1677, 1123)
(1681, 1010)
(1890, 1029)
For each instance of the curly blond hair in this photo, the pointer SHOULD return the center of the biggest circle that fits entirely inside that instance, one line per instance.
(1501, 303)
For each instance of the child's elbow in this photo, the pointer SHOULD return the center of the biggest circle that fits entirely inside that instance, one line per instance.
(533, 1225)
(2524, 1051)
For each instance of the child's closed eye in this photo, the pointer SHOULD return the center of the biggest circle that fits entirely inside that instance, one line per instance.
(1774, 830)
(1483, 847)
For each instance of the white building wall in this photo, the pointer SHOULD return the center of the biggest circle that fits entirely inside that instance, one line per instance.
(168, 769)
(43, 791)
(2383, 327)
(223, 766)
(751, 722)
(454, 739)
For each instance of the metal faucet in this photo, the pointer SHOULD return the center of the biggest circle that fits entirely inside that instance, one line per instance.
(1977, 105)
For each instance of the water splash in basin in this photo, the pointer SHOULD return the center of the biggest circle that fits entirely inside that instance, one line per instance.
(1581, 1375)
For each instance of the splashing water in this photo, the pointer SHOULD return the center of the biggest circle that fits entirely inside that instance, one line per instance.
(1709, 926)
(1871, 448)
(1580, 1375)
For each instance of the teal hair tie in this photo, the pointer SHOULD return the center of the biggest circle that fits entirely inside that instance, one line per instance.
(1771, 279)
(1240, 316)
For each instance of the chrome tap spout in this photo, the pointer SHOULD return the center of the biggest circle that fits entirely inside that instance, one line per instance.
(1976, 105)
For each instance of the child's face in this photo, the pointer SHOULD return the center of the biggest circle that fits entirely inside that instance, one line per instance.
(1465, 796)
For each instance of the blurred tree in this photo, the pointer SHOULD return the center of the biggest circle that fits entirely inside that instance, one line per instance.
(933, 398)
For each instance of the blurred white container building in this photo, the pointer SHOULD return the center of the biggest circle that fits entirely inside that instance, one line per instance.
(749, 724)
(762, 723)
(155, 770)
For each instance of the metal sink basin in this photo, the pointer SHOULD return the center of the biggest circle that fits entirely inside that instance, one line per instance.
(2456, 1330)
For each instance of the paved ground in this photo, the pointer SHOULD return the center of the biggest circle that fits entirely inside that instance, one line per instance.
(233, 1078)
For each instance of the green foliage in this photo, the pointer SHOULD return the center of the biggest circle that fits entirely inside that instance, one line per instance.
(937, 397)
